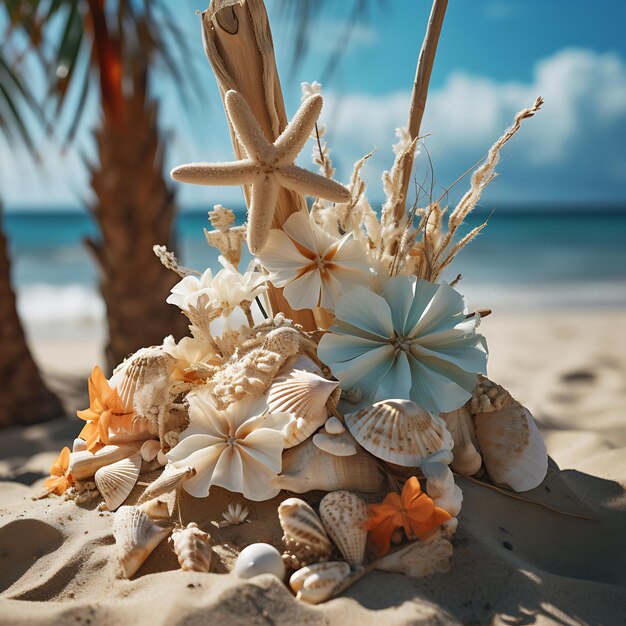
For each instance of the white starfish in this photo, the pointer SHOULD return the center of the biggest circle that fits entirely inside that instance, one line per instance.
(269, 166)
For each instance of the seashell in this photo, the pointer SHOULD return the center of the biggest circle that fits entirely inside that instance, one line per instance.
(85, 464)
(116, 481)
(304, 536)
(307, 468)
(467, 460)
(149, 449)
(234, 515)
(317, 583)
(399, 432)
(305, 395)
(136, 536)
(170, 480)
(257, 559)
(79, 445)
(343, 515)
(333, 426)
(419, 558)
(338, 445)
(193, 548)
(513, 450)
(299, 362)
(156, 508)
(161, 458)
(440, 486)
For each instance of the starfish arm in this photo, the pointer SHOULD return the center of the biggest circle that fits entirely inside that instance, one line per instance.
(231, 173)
(246, 127)
(299, 179)
(297, 132)
(261, 211)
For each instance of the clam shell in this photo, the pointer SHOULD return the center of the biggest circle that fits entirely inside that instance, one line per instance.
(513, 450)
(305, 395)
(338, 445)
(193, 548)
(316, 583)
(136, 536)
(419, 558)
(307, 468)
(85, 464)
(304, 536)
(150, 449)
(343, 515)
(170, 480)
(399, 432)
(116, 481)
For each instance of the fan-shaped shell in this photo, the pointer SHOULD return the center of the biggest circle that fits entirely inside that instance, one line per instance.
(399, 432)
(317, 583)
(307, 468)
(305, 395)
(193, 548)
(116, 481)
(170, 480)
(304, 536)
(85, 464)
(136, 536)
(419, 558)
(343, 515)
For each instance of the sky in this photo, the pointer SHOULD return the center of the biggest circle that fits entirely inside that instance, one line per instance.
(494, 58)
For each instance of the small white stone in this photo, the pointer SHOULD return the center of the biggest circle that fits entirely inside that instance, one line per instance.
(257, 559)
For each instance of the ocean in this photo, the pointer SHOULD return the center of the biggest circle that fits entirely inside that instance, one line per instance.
(523, 260)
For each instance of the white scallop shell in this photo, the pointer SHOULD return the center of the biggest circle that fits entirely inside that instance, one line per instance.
(317, 583)
(307, 468)
(136, 536)
(338, 445)
(460, 423)
(399, 432)
(116, 481)
(304, 536)
(85, 464)
(419, 558)
(305, 395)
(343, 515)
(170, 480)
(193, 548)
(150, 449)
(257, 559)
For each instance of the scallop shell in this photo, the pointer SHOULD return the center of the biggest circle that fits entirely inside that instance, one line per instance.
(170, 480)
(307, 468)
(419, 558)
(343, 515)
(460, 423)
(116, 481)
(193, 548)
(399, 432)
(136, 536)
(85, 464)
(305, 395)
(317, 583)
(150, 449)
(304, 536)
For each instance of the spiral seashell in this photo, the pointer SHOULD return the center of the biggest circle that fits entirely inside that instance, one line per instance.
(399, 432)
(307, 468)
(467, 460)
(116, 481)
(419, 558)
(85, 464)
(170, 480)
(304, 536)
(136, 536)
(193, 548)
(343, 515)
(317, 583)
(305, 395)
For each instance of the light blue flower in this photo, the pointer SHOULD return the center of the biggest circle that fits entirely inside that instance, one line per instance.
(414, 342)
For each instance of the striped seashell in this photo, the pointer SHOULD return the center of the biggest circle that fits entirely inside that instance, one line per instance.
(85, 464)
(399, 432)
(116, 481)
(343, 515)
(193, 547)
(170, 480)
(304, 536)
(317, 583)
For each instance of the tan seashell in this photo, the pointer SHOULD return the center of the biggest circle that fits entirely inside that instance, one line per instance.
(156, 508)
(440, 486)
(460, 423)
(304, 536)
(150, 449)
(333, 426)
(136, 536)
(116, 481)
(343, 515)
(317, 583)
(85, 464)
(419, 558)
(399, 432)
(193, 547)
(305, 395)
(338, 445)
(307, 468)
(79, 445)
(170, 480)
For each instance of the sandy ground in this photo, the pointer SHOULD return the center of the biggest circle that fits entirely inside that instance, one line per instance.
(514, 562)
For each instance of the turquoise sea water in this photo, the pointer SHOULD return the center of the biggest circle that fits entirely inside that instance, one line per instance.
(526, 259)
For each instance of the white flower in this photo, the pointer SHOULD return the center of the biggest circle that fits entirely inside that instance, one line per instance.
(310, 89)
(239, 449)
(189, 351)
(313, 266)
(188, 287)
(413, 342)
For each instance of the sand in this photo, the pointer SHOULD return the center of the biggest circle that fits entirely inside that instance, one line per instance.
(514, 562)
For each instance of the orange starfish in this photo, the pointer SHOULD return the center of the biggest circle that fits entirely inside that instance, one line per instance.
(105, 409)
(60, 479)
(414, 511)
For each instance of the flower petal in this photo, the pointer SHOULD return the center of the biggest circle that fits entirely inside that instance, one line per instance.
(366, 371)
(304, 291)
(366, 310)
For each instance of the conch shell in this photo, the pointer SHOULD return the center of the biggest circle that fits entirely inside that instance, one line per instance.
(193, 548)
(419, 558)
(170, 480)
(316, 583)
(116, 481)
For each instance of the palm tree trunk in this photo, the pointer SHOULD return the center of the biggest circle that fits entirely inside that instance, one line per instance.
(135, 209)
(24, 397)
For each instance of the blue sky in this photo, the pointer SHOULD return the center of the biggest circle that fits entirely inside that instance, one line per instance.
(494, 58)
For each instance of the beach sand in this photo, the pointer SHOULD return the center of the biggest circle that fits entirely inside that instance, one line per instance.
(514, 562)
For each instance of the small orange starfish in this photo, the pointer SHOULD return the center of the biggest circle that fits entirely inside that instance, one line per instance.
(60, 479)
(105, 409)
(413, 510)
